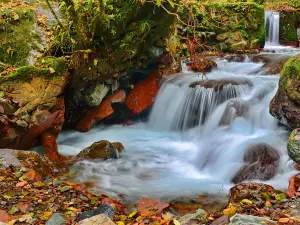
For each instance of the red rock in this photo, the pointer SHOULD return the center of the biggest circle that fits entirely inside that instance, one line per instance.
(50, 146)
(21, 184)
(118, 96)
(151, 206)
(294, 184)
(143, 94)
(4, 216)
(98, 113)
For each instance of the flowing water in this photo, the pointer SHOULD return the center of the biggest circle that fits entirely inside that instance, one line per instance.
(272, 21)
(194, 140)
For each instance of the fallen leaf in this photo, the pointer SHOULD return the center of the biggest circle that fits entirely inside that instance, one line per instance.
(283, 220)
(132, 214)
(176, 222)
(51, 70)
(230, 210)
(246, 202)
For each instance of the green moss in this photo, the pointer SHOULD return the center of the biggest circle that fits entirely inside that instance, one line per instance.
(287, 25)
(17, 36)
(290, 77)
(43, 68)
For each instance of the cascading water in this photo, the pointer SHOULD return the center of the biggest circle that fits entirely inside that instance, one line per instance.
(272, 21)
(196, 137)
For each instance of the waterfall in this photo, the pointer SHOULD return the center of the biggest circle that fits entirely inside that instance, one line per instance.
(272, 20)
(188, 103)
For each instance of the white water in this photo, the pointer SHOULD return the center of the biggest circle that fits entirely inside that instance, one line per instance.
(161, 161)
(272, 21)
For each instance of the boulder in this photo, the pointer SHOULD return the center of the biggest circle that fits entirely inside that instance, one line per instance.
(97, 94)
(285, 104)
(143, 94)
(240, 219)
(240, 46)
(234, 108)
(32, 103)
(99, 150)
(98, 219)
(293, 146)
(235, 58)
(219, 84)
(262, 162)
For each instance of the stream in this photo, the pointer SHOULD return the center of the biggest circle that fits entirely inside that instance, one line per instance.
(194, 141)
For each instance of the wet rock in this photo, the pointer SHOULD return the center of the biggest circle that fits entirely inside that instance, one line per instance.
(285, 104)
(143, 94)
(235, 58)
(201, 64)
(99, 150)
(293, 146)
(234, 108)
(277, 67)
(103, 209)
(49, 144)
(262, 162)
(240, 219)
(219, 84)
(198, 216)
(151, 206)
(98, 219)
(96, 114)
(56, 219)
(223, 220)
(118, 146)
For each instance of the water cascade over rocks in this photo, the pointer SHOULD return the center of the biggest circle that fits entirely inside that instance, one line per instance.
(272, 21)
(202, 136)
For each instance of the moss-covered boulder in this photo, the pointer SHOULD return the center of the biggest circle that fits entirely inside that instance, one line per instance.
(285, 106)
(293, 146)
(32, 102)
(288, 24)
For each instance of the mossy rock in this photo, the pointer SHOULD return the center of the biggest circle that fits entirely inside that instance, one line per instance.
(290, 78)
(47, 67)
(293, 146)
(287, 25)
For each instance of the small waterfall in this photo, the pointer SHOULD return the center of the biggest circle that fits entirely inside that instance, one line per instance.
(272, 20)
(194, 101)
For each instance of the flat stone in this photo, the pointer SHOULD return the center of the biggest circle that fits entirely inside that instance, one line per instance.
(240, 219)
(95, 220)
(198, 215)
(104, 209)
(56, 219)
(223, 220)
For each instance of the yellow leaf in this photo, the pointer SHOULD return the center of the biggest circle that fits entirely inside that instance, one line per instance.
(230, 210)
(95, 62)
(176, 222)
(268, 204)
(120, 223)
(122, 217)
(51, 70)
(132, 214)
(131, 86)
(246, 202)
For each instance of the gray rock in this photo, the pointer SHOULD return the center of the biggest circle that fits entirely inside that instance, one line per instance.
(99, 219)
(293, 146)
(239, 219)
(8, 158)
(95, 98)
(104, 209)
(198, 215)
(56, 219)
